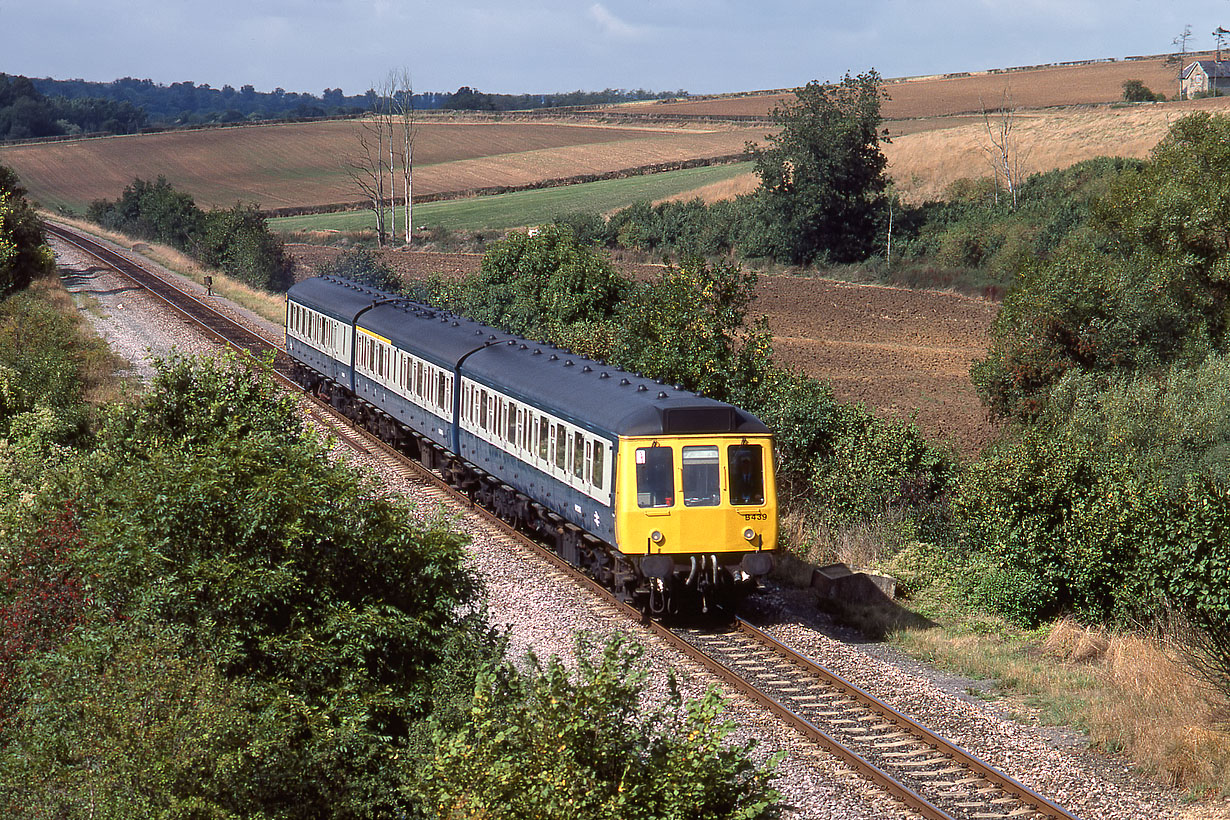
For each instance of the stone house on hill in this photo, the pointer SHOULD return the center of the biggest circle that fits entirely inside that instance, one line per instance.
(1204, 76)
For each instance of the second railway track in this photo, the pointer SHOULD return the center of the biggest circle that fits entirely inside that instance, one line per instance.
(931, 776)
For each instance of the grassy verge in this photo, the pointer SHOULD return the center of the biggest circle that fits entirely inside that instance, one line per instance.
(1134, 694)
(535, 207)
(269, 306)
(96, 364)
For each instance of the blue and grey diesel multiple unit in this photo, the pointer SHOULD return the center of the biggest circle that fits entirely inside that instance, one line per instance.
(666, 496)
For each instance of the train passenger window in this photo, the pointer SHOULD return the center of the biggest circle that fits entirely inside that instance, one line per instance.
(599, 473)
(561, 447)
(440, 392)
(511, 431)
(544, 434)
(746, 474)
(578, 455)
(482, 409)
(655, 477)
(701, 483)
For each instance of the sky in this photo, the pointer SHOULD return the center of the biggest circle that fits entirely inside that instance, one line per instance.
(539, 46)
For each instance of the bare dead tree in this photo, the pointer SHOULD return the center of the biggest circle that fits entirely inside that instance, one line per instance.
(1006, 157)
(407, 130)
(365, 168)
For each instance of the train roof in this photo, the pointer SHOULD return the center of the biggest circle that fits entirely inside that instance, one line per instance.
(601, 395)
(582, 390)
(334, 297)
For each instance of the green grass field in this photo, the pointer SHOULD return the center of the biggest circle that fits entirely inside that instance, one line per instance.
(533, 207)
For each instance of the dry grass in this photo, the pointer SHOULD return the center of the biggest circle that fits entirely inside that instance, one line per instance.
(924, 164)
(1131, 694)
(1150, 704)
(861, 545)
(718, 191)
(269, 306)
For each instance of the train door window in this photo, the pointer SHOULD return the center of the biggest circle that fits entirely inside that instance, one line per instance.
(599, 474)
(578, 455)
(561, 447)
(510, 431)
(446, 394)
(701, 482)
(746, 474)
(544, 437)
(588, 475)
(482, 409)
(655, 477)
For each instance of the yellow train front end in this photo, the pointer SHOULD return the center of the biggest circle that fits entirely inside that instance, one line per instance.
(698, 514)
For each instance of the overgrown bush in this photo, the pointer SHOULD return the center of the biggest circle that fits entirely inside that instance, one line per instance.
(1114, 501)
(536, 285)
(361, 265)
(236, 240)
(23, 251)
(575, 746)
(1143, 288)
(217, 531)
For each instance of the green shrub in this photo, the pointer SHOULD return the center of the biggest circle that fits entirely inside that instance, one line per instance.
(551, 744)
(236, 240)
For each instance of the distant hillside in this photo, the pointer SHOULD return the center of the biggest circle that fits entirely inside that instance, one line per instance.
(1084, 82)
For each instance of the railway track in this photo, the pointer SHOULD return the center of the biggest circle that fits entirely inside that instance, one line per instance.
(931, 776)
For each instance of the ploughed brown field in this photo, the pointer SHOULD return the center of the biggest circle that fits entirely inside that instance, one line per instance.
(901, 352)
(946, 95)
(305, 164)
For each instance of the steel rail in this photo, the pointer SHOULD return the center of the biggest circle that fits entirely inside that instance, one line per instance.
(234, 335)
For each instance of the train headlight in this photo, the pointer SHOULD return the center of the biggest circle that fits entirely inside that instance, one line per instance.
(749, 533)
(657, 537)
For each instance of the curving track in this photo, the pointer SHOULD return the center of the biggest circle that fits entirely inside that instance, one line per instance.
(934, 778)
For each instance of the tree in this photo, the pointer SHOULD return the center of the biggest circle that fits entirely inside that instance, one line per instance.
(385, 140)
(822, 176)
(23, 251)
(1004, 153)
(406, 128)
(1147, 286)
(1137, 91)
(366, 167)
(538, 285)
(687, 326)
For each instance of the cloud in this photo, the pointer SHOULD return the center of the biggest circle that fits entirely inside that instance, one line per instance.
(612, 25)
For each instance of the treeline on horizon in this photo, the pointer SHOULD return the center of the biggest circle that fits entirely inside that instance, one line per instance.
(31, 108)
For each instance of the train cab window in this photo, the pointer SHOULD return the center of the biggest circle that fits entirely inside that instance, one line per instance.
(746, 474)
(599, 473)
(655, 477)
(701, 483)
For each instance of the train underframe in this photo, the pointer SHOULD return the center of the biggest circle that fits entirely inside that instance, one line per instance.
(659, 585)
